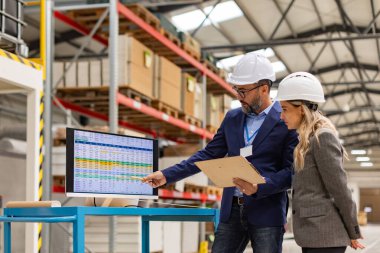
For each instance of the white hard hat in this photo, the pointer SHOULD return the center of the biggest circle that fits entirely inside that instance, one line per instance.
(252, 68)
(300, 86)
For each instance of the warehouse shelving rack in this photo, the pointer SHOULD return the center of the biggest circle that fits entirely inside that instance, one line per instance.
(213, 80)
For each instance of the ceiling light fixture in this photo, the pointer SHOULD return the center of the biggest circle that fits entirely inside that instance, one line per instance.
(358, 152)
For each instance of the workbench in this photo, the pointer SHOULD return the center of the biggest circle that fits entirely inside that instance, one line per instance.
(76, 216)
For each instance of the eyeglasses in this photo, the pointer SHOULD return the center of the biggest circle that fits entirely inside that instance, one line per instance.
(242, 93)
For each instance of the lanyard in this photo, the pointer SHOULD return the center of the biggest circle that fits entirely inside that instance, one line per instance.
(249, 138)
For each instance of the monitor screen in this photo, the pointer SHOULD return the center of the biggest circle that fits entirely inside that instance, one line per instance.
(101, 164)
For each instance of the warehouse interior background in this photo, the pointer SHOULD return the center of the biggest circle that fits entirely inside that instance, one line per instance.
(174, 64)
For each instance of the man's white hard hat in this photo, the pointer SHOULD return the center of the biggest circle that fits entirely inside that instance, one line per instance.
(301, 86)
(252, 68)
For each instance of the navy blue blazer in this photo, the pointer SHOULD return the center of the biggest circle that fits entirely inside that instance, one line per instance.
(272, 155)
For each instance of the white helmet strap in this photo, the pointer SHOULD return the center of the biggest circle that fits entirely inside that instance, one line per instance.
(310, 105)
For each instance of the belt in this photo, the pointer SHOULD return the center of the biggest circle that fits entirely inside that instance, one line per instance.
(238, 200)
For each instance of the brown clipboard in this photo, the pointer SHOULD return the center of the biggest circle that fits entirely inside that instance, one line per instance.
(222, 171)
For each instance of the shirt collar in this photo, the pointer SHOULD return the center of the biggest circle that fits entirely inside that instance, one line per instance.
(261, 114)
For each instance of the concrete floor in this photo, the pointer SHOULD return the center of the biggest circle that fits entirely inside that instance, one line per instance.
(371, 234)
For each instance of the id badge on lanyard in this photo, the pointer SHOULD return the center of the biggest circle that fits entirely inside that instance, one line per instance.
(247, 150)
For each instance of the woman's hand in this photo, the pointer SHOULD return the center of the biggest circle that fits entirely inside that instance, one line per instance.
(245, 187)
(355, 244)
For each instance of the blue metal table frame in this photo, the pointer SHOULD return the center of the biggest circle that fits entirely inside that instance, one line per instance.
(76, 215)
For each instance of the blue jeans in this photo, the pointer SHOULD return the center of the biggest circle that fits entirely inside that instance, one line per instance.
(233, 236)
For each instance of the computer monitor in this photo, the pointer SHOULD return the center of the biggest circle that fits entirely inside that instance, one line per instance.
(101, 165)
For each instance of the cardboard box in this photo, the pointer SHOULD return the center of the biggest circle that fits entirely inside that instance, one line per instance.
(135, 66)
(225, 105)
(168, 82)
(198, 102)
(226, 101)
(95, 73)
(58, 68)
(83, 73)
(213, 110)
(188, 94)
(71, 75)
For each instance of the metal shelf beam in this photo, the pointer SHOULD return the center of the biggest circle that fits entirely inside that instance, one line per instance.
(86, 112)
(131, 103)
(83, 30)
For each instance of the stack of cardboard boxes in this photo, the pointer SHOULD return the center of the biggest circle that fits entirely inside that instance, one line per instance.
(150, 75)
(168, 82)
(217, 107)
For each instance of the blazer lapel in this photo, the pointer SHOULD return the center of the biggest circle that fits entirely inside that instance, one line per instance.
(241, 130)
(270, 121)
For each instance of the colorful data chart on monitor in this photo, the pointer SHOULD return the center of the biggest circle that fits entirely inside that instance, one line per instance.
(106, 163)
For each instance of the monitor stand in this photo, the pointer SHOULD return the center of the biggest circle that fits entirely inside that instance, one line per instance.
(112, 202)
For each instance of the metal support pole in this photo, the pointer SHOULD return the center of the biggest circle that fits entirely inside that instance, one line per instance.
(113, 65)
(113, 105)
(204, 105)
(49, 58)
(202, 225)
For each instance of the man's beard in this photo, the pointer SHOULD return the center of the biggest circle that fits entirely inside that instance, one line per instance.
(254, 107)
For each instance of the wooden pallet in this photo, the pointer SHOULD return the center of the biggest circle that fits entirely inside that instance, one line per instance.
(99, 95)
(191, 46)
(170, 36)
(211, 66)
(138, 96)
(86, 16)
(191, 51)
(97, 99)
(213, 190)
(161, 106)
(89, 17)
(145, 15)
(195, 188)
(191, 120)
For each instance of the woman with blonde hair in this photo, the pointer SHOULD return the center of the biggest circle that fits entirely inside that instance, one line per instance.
(324, 214)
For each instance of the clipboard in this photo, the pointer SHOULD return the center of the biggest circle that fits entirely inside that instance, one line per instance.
(222, 171)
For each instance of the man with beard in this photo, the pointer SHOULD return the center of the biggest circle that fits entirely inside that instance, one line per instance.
(255, 213)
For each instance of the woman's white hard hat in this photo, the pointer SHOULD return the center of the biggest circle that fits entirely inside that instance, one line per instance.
(252, 68)
(300, 86)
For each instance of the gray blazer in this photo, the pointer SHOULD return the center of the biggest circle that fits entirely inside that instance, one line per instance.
(324, 214)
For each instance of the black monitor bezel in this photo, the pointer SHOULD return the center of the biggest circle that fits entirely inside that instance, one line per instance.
(69, 184)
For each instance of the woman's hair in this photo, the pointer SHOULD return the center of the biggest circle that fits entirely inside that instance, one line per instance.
(311, 123)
